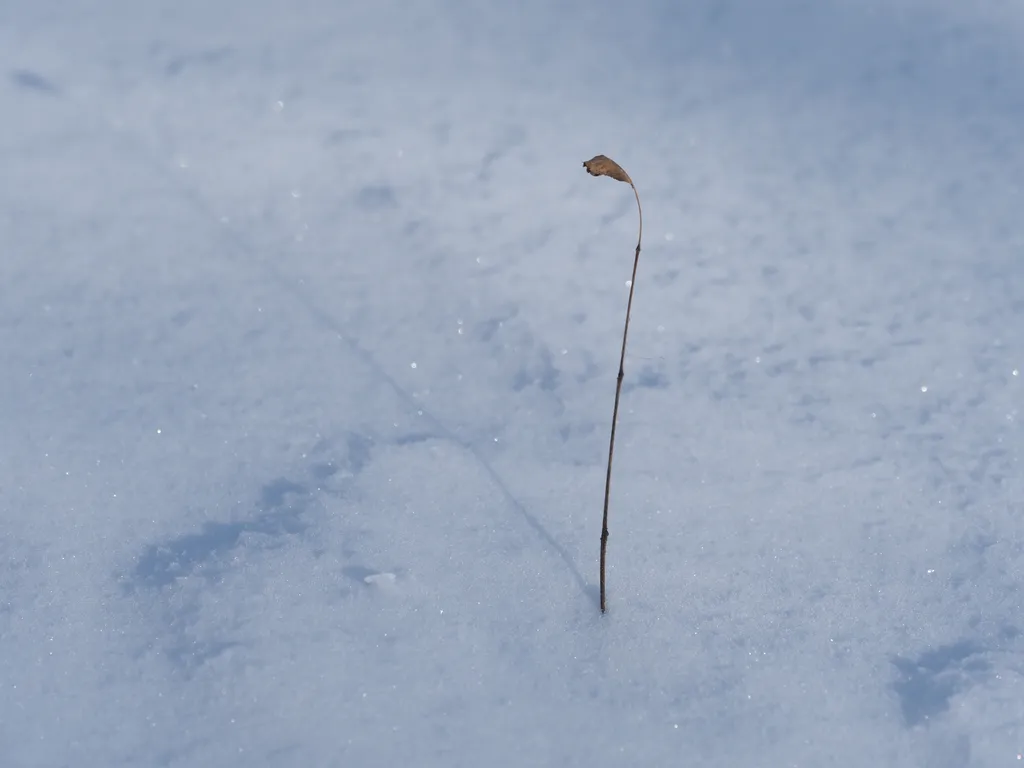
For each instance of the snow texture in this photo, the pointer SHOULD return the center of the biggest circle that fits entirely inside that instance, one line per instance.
(309, 326)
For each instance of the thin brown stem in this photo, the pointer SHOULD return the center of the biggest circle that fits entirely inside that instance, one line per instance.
(599, 165)
(618, 394)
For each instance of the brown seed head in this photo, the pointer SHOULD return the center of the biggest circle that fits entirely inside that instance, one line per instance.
(599, 165)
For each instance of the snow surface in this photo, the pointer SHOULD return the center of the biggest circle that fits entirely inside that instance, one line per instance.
(309, 323)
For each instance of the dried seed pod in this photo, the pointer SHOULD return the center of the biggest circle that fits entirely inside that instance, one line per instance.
(599, 165)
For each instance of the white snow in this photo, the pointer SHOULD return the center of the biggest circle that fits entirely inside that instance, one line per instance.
(309, 327)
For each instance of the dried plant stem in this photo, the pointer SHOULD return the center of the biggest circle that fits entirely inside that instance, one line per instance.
(603, 166)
